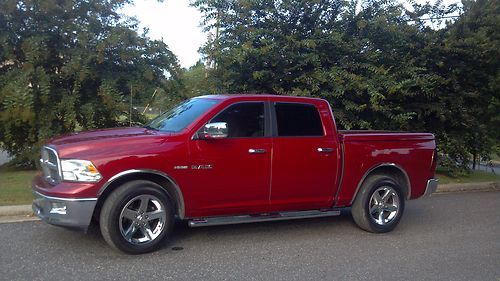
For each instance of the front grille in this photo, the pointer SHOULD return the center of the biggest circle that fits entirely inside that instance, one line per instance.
(50, 165)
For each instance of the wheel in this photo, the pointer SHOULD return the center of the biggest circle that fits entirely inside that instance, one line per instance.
(379, 205)
(136, 217)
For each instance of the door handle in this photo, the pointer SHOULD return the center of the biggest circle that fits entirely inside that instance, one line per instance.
(325, 149)
(256, 151)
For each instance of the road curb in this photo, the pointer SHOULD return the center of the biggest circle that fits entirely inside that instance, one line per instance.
(25, 213)
(462, 187)
(16, 213)
(16, 210)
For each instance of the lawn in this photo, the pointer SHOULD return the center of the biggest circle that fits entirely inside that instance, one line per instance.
(475, 176)
(15, 187)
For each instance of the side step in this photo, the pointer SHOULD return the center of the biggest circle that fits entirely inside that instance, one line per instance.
(263, 217)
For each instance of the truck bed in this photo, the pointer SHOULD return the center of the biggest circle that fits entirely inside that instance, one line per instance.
(365, 151)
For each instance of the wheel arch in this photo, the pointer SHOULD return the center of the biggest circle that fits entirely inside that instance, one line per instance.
(393, 169)
(158, 177)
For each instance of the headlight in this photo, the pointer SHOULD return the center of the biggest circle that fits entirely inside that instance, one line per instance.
(79, 170)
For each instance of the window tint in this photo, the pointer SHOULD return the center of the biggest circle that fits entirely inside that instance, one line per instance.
(243, 119)
(295, 119)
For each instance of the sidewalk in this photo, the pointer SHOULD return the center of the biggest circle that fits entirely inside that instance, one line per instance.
(24, 212)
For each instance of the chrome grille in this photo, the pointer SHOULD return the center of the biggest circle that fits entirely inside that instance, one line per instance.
(50, 165)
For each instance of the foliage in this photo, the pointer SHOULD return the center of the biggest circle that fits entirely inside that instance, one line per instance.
(195, 81)
(67, 65)
(379, 64)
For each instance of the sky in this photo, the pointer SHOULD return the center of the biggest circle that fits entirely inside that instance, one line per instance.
(174, 22)
(178, 25)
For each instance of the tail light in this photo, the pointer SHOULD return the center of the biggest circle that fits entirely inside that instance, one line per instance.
(434, 161)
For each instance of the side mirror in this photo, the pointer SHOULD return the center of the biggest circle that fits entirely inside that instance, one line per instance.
(217, 130)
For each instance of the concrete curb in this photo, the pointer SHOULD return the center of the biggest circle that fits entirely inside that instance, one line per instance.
(463, 187)
(25, 213)
(16, 210)
(17, 213)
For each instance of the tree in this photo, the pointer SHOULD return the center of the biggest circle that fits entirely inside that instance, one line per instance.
(71, 65)
(358, 60)
(195, 81)
(379, 64)
(473, 58)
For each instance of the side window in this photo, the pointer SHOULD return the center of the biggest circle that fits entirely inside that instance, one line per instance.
(296, 119)
(243, 119)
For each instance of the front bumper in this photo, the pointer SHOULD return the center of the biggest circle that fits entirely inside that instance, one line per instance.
(68, 212)
(431, 187)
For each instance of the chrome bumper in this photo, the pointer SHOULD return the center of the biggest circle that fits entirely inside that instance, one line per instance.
(68, 212)
(431, 187)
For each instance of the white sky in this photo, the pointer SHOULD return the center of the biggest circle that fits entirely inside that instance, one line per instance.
(174, 22)
(178, 25)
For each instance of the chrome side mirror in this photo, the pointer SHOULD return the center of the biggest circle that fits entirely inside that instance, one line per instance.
(217, 130)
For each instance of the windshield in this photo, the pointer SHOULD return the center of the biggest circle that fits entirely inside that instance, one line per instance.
(178, 118)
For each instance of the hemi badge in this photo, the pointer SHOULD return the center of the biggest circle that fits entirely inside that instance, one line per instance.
(201, 167)
(180, 167)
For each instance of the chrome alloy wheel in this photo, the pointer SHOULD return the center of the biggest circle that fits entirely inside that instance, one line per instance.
(142, 219)
(384, 205)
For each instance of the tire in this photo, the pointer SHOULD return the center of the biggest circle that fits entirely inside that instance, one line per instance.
(136, 217)
(379, 204)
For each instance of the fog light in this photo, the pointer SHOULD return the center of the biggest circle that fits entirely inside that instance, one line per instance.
(58, 208)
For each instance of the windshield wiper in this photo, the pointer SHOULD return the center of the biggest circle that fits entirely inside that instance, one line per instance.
(150, 128)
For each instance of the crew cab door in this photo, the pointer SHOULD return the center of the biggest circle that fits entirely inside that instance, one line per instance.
(232, 175)
(305, 157)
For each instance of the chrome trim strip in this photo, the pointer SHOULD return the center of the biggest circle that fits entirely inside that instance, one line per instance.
(378, 166)
(64, 199)
(148, 171)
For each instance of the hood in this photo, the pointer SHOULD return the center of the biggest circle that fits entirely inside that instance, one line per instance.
(107, 142)
(105, 134)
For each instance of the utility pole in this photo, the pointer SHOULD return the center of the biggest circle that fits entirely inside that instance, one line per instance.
(130, 111)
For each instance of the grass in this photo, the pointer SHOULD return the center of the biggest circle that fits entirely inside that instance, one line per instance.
(473, 176)
(15, 187)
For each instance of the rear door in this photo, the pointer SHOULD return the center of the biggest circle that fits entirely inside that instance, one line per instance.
(305, 158)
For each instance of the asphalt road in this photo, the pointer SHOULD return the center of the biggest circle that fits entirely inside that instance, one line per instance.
(446, 237)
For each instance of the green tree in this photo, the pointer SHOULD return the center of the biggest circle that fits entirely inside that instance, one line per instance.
(380, 65)
(67, 65)
(195, 81)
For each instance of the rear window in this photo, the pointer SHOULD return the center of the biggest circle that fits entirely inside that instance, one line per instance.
(297, 120)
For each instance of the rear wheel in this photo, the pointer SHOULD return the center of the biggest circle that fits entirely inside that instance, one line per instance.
(136, 217)
(379, 204)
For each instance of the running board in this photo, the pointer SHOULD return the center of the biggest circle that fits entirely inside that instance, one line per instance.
(263, 217)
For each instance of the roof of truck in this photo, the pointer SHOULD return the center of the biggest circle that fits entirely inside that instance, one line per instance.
(265, 96)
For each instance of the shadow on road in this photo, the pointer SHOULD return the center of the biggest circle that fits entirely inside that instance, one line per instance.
(184, 238)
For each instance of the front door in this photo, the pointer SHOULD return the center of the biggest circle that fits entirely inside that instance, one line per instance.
(232, 175)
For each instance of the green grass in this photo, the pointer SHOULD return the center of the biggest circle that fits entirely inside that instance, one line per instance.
(473, 176)
(15, 187)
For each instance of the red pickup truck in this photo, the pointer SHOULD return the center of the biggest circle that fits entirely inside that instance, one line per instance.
(224, 159)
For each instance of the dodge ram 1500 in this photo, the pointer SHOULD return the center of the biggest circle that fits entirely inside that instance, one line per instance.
(223, 159)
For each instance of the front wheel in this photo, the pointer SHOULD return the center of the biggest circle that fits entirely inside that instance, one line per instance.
(379, 205)
(136, 217)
